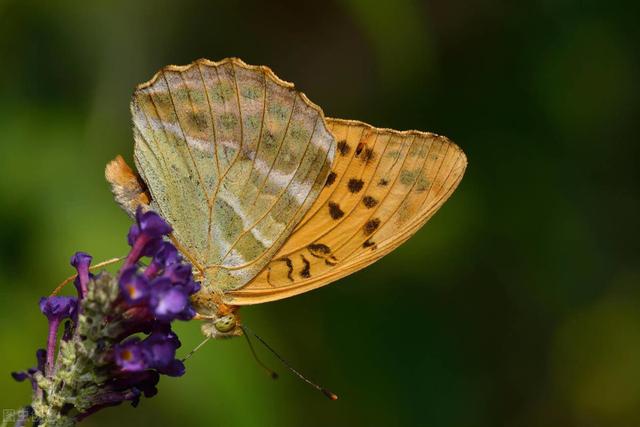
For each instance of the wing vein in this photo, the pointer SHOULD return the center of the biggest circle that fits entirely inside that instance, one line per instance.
(309, 217)
(346, 216)
(326, 156)
(184, 135)
(215, 153)
(235, 81)
(164, 130)
(255, 155)
(213, 124)
(268, 211)
(284, 136)
(424, 165)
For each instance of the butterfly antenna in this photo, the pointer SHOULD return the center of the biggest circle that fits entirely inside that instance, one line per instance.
(323, 390)
(198, 347)
(273, 374)
(93, 267)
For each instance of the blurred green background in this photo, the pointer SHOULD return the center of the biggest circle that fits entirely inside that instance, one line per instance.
(520, 300)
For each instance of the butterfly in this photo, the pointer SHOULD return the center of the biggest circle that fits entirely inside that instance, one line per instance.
(267, 197)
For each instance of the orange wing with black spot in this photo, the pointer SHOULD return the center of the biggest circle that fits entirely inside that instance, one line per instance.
(384, 185)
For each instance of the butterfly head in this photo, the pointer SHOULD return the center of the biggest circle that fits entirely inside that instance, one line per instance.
(220, 320)
(222, 326)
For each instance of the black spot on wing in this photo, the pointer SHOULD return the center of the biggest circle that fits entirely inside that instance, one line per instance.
(383, 182)
(322, 251)
(269, 139)
(269, 277)
(198, 120)
(368, 244)
(331, 260)
(331, 178)
(343, 148)
(359, 149)
(319, 250)
(306, 270)
(355, 185)
(335, 211)
(371, 226)
(290, 267)
(367, 155)
(369, 201)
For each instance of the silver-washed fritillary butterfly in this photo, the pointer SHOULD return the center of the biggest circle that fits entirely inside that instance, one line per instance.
(268, 198)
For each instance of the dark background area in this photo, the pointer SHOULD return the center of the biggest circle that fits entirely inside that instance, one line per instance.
(517, 305)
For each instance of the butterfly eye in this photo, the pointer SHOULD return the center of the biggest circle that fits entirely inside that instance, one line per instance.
(225, 323)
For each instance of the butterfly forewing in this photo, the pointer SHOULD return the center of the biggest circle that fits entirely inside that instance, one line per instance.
(384, 185)
(233, 158)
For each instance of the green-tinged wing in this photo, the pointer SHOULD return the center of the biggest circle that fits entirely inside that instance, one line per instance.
(233, 158)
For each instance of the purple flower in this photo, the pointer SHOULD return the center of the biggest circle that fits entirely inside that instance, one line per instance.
(157, 352)
(58, 307)
(191, 286)
(182, 274)
(174, 369)
(133, 287)
(81, 261)
(148, 223)
(131, 356)
(161, 348)
(145, 236)
(169, 302)
(145, 381)
(167, 255)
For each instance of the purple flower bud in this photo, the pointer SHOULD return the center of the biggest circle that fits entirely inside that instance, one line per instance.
(81, 261)
(41, 355)
(133, 287)
(20, 376)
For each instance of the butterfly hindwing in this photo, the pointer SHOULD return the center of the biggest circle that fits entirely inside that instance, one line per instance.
(233, 158)
(384, 185)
